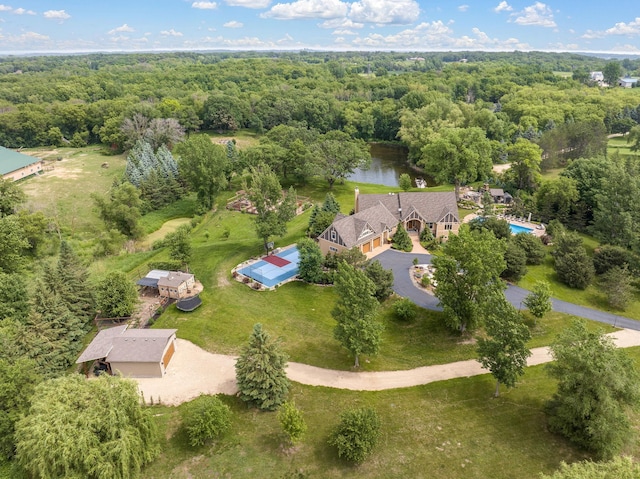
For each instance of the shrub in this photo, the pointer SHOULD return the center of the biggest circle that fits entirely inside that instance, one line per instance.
(425, 281)
(572, 264)
(291, 421)
(405, 309)
(357, 434)
(608, 256)
(205, 418)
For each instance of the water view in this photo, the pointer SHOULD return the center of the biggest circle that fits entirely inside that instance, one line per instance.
(387, 164)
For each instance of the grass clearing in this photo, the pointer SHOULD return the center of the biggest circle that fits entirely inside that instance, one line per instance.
(453, 429)
(620, 146)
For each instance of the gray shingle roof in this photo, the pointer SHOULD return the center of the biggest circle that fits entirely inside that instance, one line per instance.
(352, 229)
(120, 344)
(174, 279)
(429, 205)
(12, 160)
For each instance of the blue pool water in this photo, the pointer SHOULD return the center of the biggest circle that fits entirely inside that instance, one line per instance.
(515, 229)
(270, 274)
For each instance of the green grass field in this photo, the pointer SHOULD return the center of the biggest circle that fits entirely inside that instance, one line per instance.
(619, 145)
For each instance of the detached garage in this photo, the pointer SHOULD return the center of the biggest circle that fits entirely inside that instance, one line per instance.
(136, 353)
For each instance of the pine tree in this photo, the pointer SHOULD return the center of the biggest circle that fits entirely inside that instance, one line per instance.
(401, 240)
(260, 372)
(330, 204)
(73, 284)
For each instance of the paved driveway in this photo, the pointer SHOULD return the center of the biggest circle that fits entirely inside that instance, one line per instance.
(400, 263)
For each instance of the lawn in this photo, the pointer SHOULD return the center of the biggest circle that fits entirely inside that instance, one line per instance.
(619, 145)
(453, 429)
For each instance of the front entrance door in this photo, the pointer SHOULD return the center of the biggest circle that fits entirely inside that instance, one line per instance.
(413, 225)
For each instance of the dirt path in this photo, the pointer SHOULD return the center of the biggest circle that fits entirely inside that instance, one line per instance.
(194, 371)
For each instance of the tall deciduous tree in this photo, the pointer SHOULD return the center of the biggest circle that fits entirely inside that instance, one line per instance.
(596, 384)
(91, 429)
(338, 155)
(468, 277)
(458, 156)
(355, 311)
(116, 295)
(525, 158)
(11, 196)
(612, 72)
(121, 210)
(203, 165)
(179, 243)
(504, 351)
(260, 372)
(273, 208)
(556, 198)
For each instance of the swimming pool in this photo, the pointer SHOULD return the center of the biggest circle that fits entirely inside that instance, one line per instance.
(270, 274)
(515, 229)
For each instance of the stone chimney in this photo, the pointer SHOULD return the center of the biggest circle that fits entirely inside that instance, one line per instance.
(357, 194)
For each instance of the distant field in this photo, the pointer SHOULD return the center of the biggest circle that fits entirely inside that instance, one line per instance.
(619, 145)
(563, 74)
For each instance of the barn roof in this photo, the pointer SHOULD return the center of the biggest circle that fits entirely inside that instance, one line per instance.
(12, 160)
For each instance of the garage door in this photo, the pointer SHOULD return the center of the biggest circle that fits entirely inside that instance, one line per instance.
(377, 242)
(169, 354)
(366, 247)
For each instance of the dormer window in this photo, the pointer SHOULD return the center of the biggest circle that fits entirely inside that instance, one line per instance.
(333, 235)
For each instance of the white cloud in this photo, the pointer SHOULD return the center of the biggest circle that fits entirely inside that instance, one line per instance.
(204, 5)
(395, 12)
(233, 24)
(248, 3)
(503, 7)
(438, 36)
(170, 33)
(120, 29)
(5, 8)
(538, 14)
(32, 36)
(463, 8)
(56, 14)
(343, 31)
(22, 11)
(340, 23)
(285, 40)
(307, 9)
(630, 29)
(625, 48)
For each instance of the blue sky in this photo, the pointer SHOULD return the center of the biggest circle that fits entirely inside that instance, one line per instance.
(410, 25)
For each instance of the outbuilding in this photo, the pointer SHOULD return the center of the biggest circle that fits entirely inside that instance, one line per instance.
(136, 353)
(16, 166)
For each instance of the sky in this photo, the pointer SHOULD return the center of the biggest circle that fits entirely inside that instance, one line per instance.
(59, 26)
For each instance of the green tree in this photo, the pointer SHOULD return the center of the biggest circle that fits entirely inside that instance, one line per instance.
(381, 278)
(468, 277)
(321, 218)
(273, 208)
(633, 138)
(525, 158)
(516, 261)
(18, 378)
(260, 372)
(404, 182)
(596, 384)
(620, 467)
(405, 309)
(617, 284)
(202, 165)
(572, 263)
(116, 295)
(68, 433)
(532, 247)
(338, 155)
(538, 302)
(291, 421)
(205, 418)
(179, 244)
(310, 261)
(612, 72)
(458, 156)
(500, 228)
(609, 256)
(401, 240)
(504, 351)
(357, 434)
(14, 296)
(13, 245)
(11, 197)
(556, 198)
(121, 210)
(357, 329)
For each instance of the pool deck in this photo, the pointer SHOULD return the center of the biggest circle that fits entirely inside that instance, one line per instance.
(536, 229)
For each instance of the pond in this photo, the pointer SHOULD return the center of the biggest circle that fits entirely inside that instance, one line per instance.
(388, 162)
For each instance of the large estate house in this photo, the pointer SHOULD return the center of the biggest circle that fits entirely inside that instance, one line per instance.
(377, 217)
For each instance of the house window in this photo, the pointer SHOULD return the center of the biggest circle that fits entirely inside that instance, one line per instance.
(332, 249)
(448, 226)
(333, 235)
(430, 225)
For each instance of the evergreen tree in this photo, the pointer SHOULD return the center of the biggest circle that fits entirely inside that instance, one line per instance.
(14, 302)
(330, 204)
(72, 284)
(617, 284)
(597, 382)
(381, 278)
(516, 260)
(355, 312)
(401, 240)
(573, 265)
(504, 351)
(260, 372)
